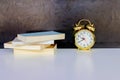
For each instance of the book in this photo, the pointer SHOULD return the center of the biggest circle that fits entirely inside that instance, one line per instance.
(40, 36)
(47, 51)
(16, 41)
(26, 46)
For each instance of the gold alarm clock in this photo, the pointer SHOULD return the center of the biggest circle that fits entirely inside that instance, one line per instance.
(84, 34)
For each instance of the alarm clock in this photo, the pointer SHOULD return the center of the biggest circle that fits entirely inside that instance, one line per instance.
(84, 34)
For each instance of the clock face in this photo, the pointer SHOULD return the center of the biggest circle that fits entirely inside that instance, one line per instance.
(84, 39)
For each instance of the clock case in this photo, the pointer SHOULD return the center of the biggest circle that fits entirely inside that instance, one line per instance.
(84, 24)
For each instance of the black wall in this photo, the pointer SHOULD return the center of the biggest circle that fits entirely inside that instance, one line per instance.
(18, 16)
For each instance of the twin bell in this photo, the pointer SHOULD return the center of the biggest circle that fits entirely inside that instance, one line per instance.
(84, 24)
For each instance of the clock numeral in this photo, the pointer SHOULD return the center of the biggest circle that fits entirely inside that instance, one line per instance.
(79, 36)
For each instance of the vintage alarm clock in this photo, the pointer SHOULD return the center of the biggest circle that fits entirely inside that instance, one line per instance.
(84, 34)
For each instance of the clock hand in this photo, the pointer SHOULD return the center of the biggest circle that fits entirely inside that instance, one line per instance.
(86, 42)
(82, 40)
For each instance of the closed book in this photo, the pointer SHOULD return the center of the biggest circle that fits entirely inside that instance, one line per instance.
(47, 51)
(40, 36)
(16, 41)
(26, 46)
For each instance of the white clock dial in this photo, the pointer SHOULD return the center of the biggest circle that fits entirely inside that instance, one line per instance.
(84, 39)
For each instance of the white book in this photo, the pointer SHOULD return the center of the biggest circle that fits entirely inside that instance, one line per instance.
(16, 41)
(46, 50)
(40, 36)
(26, 46)
(49, 51)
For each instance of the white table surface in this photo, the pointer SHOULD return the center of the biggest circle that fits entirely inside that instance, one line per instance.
(66, 64)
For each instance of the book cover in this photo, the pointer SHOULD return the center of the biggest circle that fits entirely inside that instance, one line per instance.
(40, 36)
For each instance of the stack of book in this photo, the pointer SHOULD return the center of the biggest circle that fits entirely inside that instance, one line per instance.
(37, 42)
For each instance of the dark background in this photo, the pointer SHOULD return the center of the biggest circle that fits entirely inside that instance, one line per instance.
(19, 16)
